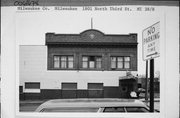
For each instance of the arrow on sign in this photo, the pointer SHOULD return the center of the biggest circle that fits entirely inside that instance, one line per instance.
(152, 54)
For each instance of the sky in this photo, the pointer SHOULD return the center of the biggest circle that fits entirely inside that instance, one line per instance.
(31, 27)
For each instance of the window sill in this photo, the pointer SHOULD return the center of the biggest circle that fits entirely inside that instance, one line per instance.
(125, 69)
(88, 69)
(32, 91)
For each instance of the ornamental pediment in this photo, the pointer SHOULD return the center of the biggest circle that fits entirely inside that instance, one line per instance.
(91, 34)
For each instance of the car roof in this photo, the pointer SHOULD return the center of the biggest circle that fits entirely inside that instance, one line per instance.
(91, 103)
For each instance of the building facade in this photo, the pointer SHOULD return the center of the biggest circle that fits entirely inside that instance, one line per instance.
(85, 65)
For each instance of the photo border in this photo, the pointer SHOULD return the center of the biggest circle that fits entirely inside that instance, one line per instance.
(4, 72)
(93, 115)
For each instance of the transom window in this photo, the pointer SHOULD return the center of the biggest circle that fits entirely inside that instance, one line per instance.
(32, 87)
(118, 62)
(69, 86)
(92, 62)
(63, 62)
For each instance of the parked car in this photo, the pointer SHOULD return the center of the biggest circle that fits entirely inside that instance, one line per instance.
(141, 90)
(93, 105)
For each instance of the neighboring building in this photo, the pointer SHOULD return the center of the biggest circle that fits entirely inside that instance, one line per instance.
(85, 65)
(142, 83)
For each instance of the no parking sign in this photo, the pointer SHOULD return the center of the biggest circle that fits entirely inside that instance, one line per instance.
(150, 41)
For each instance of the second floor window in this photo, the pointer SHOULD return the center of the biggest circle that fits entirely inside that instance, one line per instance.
(120, 62)
(92, 62)
(63, 62)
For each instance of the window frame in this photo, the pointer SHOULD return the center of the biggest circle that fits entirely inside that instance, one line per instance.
(116, 62)
(129, 62)
(95, 62)
(102, 61)
(67, 61)
(95, 86)
(65, 86)
(31, 89)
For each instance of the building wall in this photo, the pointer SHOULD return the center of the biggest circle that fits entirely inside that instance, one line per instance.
(33, 68)
(103, 51)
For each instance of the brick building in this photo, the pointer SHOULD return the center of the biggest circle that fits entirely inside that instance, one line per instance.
(85, 65)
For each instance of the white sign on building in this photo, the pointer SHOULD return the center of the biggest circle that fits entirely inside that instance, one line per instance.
(150, 41)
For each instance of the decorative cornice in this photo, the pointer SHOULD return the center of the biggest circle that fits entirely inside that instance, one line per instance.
(91, 37)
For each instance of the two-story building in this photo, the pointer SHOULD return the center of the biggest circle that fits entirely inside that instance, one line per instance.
(85, 65)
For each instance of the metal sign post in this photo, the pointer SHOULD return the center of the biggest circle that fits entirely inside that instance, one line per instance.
(151, 50)
(146, 84)
(152, 85)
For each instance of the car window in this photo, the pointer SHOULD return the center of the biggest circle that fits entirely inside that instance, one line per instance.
(136, 109)
(74, 109)
(114, 109)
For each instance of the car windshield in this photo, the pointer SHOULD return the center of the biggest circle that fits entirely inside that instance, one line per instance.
(114, 109)
(136, 109)
(125, 109)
